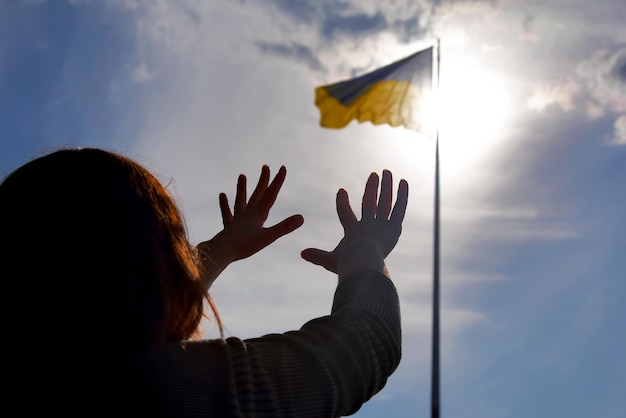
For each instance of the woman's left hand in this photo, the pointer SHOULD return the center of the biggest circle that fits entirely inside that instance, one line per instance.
(244, 234)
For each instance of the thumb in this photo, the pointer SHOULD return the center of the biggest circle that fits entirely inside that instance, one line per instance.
(320, 258)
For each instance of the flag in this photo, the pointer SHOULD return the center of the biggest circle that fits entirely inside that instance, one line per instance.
(397, 94)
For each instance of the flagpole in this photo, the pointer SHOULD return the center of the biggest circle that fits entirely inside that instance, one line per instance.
(435, 341)
(435, 397)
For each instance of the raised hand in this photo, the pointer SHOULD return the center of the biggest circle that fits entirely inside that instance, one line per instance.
(366, 242)
(244, 233)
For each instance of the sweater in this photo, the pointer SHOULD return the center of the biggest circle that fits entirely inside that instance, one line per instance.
(327, 368)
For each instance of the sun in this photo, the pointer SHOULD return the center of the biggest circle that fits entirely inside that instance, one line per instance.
(474, 108)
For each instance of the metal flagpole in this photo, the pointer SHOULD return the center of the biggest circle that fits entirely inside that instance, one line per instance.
(435, 341)
(434, 400)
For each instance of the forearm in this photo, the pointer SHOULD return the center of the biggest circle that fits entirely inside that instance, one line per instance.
(368, 306)
(334, 364)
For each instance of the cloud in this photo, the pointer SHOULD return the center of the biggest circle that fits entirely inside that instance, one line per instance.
(620, 130)
(299, 52)
(618, 68)
(303, 11)
(528, 32)
(184, 28)
(355, 25)
(605, 76)
(329, 37)
(597, 88)
(142, 74)
(562, 94)
(335, 20)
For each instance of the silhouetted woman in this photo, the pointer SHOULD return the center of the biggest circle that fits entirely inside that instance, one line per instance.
(104, 294)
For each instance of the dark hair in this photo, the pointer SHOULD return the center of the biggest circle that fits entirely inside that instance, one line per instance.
(97, 250)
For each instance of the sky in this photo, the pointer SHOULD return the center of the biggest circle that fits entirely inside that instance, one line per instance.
(533, 168)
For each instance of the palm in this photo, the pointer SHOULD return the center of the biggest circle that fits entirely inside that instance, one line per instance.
(244, 233)
(380, 225)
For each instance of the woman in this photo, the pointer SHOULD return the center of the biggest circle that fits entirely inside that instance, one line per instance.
(112, 293)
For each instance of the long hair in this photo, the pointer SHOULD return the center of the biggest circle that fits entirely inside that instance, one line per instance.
(96, 251)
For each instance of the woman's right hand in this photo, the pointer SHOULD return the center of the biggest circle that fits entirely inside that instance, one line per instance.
(368, 241)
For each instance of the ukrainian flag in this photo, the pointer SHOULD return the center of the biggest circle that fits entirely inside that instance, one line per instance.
(396, 94)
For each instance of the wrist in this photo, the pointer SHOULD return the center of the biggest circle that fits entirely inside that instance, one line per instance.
(364, 255)
(211, 262)
(214, 252)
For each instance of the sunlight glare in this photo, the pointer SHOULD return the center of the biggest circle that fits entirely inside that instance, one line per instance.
(474, 108)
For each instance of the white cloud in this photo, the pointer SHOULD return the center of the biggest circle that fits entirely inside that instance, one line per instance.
(142, 74)
(561, 94)
(597, 89)
(605, 76)
(620, 130)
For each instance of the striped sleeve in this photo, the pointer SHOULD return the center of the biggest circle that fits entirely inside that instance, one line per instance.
(333, 364)
(327, 368)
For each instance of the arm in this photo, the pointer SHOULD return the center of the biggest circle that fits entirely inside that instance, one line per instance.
(244, 234)
(334, 364)
(330, 366)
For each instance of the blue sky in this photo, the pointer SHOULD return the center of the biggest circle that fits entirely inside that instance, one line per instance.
(533, 161)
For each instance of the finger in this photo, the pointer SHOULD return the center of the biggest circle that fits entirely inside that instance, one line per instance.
(269, 197)
(344, 211)
(368, 204)
(384, 199)
(284, 227)
(240, 198)
(227, 216)
(399, 209)
(320, 258)
(264, 179)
